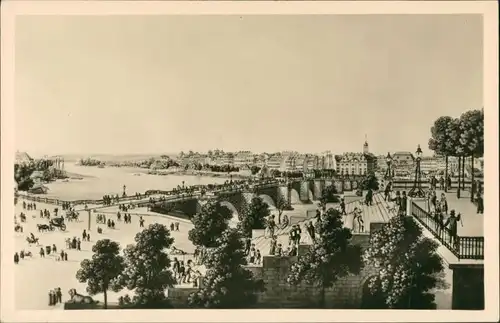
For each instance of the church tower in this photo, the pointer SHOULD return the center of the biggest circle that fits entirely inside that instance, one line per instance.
(365, 146)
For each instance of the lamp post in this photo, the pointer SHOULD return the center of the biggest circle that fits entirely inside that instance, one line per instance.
(417, 191)
(388, 173)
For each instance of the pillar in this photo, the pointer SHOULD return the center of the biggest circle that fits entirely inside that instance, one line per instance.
(318, 189)
(468, 287)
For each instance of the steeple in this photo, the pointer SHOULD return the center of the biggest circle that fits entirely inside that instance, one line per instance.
(365, 146)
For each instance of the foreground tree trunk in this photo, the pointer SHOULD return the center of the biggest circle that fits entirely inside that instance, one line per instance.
(322, 297)
(463, 172)
(446, 174)
(472, 180)
(459, 171)
(105, 299)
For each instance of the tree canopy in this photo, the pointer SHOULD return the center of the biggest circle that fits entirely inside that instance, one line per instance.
(102, 271)
(370, 181)
(472, 132)
(440, 141)
(329, 195)
(409, 267)
(332, 256)
(255, 217)
(227, 283)
(209, 224)
(147, 267)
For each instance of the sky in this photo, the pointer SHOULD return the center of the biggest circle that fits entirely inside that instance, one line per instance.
(310, 83)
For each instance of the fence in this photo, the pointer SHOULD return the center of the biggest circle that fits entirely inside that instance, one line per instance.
(461, 247)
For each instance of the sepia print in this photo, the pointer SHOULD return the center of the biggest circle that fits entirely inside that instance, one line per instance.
(249, 162)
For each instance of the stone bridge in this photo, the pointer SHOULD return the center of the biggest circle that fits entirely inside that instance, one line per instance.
(273, 194)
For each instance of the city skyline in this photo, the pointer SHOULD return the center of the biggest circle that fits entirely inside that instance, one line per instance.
(162, 84)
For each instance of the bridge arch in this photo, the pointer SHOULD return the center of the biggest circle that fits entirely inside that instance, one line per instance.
(268, 200)
(233, 223)
(294, 196)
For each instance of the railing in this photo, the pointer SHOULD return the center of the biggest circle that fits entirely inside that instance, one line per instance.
(462, 247)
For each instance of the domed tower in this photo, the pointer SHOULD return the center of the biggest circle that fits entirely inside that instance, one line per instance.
(365, 146)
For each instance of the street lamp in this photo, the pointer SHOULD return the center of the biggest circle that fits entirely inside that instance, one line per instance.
(388, 173)
(417, 191)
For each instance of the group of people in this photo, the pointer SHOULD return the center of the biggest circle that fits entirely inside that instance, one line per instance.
(174, 226)
(29, 206)
(55, 296)
(63, 256)
(74, 243)
(185, 273)
(21, 255)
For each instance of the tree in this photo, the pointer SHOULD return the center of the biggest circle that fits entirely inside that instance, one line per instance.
(255, 217)
(147, 267)
(329, 195)
(102, 271)
(331, 257)
(370, 181)
(22, 176)
(472, 136)
(440, 141)
(227, 283)
(281, 206)
(209, 224)
(456, 149)
(410, 267)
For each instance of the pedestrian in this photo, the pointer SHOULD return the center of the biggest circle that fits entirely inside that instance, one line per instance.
(279, 251)
(175, 268)
(387, 191)
(434, 200)
(272, 247)
(62, 255)
(252, 254)
(444, 203)
(59, 294)
(51, 298)
(480, 203)
(451, 223)
(404, 201)
(312, 230)
(441, 182)
(172, 226)
(176, 226)
(54, 248)
(141, 222)
(369, 197)
(21, 254)
(298, 231)
(79, 244)
(182, 272)
(84, 235)
(65, 256)
(258, 257)
(270, 226)
(42, 252)
(88, 236)
(16, 258)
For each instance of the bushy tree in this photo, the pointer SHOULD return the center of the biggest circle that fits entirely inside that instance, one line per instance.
(147, 267)
(370, 181)
(22, 176)
(329, 195)
(227, 283)
(332, 256)
(209, 224)
(409, 267)
(255, 217)
(102, 271)
(441, 139)
(472, 135)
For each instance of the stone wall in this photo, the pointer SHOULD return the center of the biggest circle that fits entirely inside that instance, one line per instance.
(346, 293)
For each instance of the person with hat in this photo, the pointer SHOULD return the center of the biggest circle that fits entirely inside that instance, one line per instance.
(451, 223)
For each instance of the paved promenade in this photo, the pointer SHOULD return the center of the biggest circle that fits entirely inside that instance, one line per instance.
(472, 223)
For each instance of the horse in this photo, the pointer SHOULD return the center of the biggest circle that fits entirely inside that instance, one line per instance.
(78, 298)
(32, 241)
(42, 227)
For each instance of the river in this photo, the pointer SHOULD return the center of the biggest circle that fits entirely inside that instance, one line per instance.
(96, 182)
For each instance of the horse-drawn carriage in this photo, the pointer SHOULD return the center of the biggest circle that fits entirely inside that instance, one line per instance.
(58, 223)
